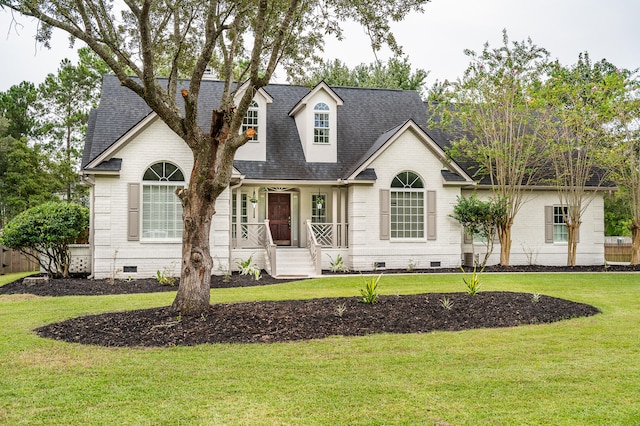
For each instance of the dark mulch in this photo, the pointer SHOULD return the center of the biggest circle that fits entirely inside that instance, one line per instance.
(81, 286)
(267, 322)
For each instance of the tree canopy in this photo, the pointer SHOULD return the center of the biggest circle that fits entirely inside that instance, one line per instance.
(397, 73)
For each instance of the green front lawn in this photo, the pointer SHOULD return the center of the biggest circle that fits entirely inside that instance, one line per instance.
(578, 372)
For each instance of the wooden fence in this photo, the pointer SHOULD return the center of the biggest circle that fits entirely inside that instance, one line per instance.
(13, 261)
(617, 252)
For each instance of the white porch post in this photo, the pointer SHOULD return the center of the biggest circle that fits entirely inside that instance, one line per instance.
(334, 217)
(343, 217)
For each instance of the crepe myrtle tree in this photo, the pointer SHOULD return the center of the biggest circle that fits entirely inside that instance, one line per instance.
(182, 38)
(491, 111)
(581, 102)
(625, 156)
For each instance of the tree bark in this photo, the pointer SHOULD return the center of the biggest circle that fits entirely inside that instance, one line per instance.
(194, 291)
(635, 243)
(504, 234)
(572, 243)
(213, 163)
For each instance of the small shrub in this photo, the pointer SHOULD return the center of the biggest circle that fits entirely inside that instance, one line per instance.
(370, 290)
(472, 281)
(337, 265)
(446, 303)
(246, 268)
(164, 277)
(340, 310)
(412, 265)
(44, 233)
(535, 298)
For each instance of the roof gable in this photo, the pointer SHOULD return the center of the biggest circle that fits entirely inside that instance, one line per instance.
(388, 138)
(322, 86)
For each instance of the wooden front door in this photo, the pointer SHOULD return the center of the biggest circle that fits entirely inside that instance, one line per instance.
(280, 218)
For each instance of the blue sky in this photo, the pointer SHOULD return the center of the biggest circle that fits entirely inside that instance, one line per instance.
(434, 40)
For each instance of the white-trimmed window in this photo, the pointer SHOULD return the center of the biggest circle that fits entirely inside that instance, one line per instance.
(250, 120)
(407, 206)
(560, 232)
(161, 207)
(318, 208)
(321, 123)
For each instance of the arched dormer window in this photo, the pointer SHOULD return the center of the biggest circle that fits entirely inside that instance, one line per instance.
(250, 120)
(407, 206)
(161, 207)
(321, 123)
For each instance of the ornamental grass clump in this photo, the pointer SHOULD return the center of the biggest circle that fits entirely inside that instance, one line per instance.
(472, 281)
(370, 290)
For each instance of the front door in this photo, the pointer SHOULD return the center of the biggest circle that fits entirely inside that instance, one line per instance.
(280, 218)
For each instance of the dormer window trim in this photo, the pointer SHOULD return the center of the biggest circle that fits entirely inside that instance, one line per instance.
(321, 124)
(251, 120)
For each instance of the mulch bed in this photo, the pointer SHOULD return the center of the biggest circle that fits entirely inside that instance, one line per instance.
(282, 321)
(82, 286)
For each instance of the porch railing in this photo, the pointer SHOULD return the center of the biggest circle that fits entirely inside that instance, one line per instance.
(315, 249)
(255, 236)
(269, 250)
(331, 234)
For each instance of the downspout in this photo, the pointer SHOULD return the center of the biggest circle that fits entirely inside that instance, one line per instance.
(231, 189)
(87, 181)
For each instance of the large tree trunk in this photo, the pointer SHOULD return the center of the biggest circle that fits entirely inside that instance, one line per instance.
(504, 234)
(635, 243)
(213, 163)
(195, 278)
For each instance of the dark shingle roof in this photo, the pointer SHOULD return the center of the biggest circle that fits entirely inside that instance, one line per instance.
(363, 120)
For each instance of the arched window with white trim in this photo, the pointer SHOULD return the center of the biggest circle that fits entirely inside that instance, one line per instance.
(161, 207)
(321, 123)
(407, 210)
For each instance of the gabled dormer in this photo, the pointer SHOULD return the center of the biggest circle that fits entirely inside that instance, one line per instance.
(256, 118)
(316, 117)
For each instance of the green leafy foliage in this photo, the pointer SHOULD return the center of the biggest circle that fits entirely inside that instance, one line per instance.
(472, 281)
(446, 303)
(493, 117)
(26, 177)
(395, 74)
(580, 101)
(337, 265)
(618, 214)
(65, 99)
(370, 290)
(247, 268)
(164, 277)
(480, 218)
(45, 232)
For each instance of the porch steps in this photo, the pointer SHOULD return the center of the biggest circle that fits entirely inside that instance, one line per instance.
(294, 263)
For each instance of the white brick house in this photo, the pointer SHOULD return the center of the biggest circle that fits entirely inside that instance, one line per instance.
(332, 170)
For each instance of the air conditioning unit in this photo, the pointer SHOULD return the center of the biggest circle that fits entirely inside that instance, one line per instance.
(468, 259)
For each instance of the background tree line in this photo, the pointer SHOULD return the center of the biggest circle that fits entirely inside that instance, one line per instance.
(42, 132)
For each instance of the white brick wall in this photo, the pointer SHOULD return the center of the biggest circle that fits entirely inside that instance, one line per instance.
(528, 238)
(155, 143)
(406, 153)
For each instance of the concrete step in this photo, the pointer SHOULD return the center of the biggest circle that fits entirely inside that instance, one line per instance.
(294, 262)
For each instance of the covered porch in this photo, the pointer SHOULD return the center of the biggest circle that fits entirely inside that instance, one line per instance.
(268, 222)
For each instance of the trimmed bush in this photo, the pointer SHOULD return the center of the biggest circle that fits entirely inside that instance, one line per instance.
(44, 232)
